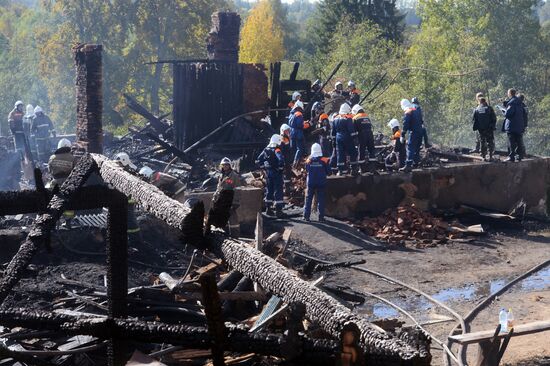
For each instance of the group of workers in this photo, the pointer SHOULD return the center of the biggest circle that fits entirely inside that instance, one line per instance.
(33, 127)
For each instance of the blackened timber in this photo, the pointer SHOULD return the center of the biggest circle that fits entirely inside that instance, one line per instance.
(320, 307)
(40, 230)
(316, 351)
(155, 122)
(214, 317)
(151, 199)
(169, 148)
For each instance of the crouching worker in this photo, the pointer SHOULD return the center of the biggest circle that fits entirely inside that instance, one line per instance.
(271, 160)
(170, 185)
(60, 165)
(396, 159)
(317, 168)
(228, 181)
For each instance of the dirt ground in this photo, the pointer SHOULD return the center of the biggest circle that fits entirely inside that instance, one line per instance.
(458, 273)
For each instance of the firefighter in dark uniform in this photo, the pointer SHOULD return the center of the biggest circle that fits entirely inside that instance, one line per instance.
(317, 168)
(229, 180)
(287, 154)
(15, 120)
(396, 159)
(272, 161)
(412, 124)
(27, 122)
(61, 163)
(354, 94)
(484, 122)
(167, 183)
(344, 133)
(42, 127)
(363, 126)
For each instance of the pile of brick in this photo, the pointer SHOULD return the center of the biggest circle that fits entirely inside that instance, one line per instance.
(296, 194)
(407, 225)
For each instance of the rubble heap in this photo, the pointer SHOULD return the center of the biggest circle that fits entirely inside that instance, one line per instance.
(407, 224)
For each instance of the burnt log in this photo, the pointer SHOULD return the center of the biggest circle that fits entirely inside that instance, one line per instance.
(40, 230)
(213, 311)
(315, 351)
(151, 199)
(155, 122)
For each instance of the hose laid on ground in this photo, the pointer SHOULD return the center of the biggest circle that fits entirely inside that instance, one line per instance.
(394, 281)
(475, 311)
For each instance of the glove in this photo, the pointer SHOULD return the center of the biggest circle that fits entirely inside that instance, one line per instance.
(402, 139)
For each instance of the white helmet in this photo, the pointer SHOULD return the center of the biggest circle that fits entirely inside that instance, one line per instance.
(351, 84)
(296, 95)
(406, 104)
(18, 103)
(344, 109)
(284, 127)
(338, 83)
(275, 141)
(298, 104)
(356, 108)
(124, 160)
(225, 160)
(393, 123)
(63, 143)
(316, 150)
(29, 110)
(146, 172)
(38, 109)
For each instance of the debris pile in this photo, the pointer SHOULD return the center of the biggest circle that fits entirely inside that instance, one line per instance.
(407, 224)
(298, 187)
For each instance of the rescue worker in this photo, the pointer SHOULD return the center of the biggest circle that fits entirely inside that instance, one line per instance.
(297, 127)
(42, 126)
(229, 180)
(345, 135)
(167, 183)
(416, 104)
(478, 138)
(353, 93)
(61, 163)
(334, 155)
(287, 155)
(15, 120)
(272, 161)
(296, 96)
(317, 168)
(27, 122)
(133, 230)
(514, 125)
(363, 127)
(396, 159)
(325, 139)
(337, 96)
(484, 123)
(317, 95)
(412, 124)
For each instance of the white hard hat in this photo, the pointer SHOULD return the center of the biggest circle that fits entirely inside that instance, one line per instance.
(351, 84)
(275, 141)
(225, 160)
(296, 95)
(125, 160)
(63, 143)
(393, 123)
(406, 104)
(29, 110)
(356, 108)
(18, 103)
(338, 83)
(38, 109)
(344, 109)
(316, 150)
(146, 172)
(284, 127)
(298, 104)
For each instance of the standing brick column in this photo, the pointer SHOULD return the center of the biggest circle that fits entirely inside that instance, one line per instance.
(89, 97)
(223, 39)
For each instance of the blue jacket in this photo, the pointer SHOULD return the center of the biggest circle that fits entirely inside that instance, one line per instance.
(296, 123)
(515, 116)
(343, 127)
(272, 160)
(419, 109)
(412, 121)
(317, 171)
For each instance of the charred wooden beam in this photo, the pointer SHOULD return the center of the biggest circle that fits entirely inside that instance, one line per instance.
(213, 310)
(151, 199)
(316, 351)
(155, 122)
(40, 230)
(89, 97)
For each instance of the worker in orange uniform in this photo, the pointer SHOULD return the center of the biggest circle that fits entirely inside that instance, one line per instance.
(396, 159)
(353, 93)
(297, 128)
(317, 168)
(287, 155)
(363, 126)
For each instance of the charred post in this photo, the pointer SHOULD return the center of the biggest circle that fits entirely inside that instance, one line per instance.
(213, 310)
(89, 97)
(223, 39)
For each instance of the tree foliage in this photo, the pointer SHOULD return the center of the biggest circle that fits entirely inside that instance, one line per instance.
(261, 36)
